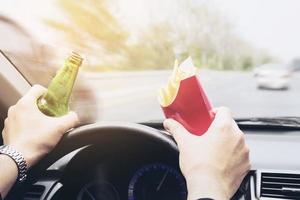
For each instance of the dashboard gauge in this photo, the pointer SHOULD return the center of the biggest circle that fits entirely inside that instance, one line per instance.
(98, 190)
(157, 181)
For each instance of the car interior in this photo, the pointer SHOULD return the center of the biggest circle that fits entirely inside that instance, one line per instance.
(247, 58)
(118, 160)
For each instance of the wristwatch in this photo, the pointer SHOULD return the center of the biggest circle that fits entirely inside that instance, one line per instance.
(18, 159)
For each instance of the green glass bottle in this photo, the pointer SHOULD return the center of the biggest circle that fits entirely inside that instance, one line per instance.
(55, 102)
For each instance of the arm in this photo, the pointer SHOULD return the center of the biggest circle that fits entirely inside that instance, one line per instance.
(31, 133)
(214, 164)
(8, 175)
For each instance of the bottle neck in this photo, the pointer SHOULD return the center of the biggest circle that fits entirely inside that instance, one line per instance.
(61, 86)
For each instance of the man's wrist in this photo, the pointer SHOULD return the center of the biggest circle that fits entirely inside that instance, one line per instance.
(29, 155)
(9, 162)
(17, 158)
(9, 173)
(205, 186)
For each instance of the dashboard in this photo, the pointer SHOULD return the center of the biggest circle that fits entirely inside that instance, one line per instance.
(123, 174)
(136, 168)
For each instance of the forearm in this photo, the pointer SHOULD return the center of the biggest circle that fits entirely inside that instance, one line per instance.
(8, 174)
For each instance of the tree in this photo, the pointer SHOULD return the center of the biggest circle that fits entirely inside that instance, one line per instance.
(93, 29)
(203, 33)
(153, 49)
(208, 36)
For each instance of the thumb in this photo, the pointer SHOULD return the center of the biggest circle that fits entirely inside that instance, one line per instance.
(179, 133)
(69, 121)
(222, 118)
(36, 91)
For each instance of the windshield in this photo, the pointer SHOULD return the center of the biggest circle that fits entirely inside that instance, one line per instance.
(129, 48)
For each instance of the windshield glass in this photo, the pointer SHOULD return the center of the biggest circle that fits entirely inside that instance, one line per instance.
(129, 48)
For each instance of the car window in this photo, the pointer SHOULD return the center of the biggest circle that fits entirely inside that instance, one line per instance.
(129, 48)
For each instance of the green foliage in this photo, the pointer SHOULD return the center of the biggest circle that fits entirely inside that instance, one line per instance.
(209, 40)
(154, 50)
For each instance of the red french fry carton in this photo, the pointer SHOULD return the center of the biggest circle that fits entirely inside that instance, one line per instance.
(191, 107)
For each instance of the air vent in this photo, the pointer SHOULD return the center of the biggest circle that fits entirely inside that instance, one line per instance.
(280, 185)
(34, 193)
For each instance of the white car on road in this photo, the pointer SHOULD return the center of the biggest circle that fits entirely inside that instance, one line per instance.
(272, 76)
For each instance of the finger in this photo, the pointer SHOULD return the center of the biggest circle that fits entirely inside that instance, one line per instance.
(69, 121)
(215, 110)
(179, 133)
(36, 91)
(236, 127)
(233, 123)
(223, 117)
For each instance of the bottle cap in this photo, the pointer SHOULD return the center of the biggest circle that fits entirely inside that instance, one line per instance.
(75, 58)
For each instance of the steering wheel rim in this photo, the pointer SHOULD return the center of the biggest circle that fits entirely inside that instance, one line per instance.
(88, 135)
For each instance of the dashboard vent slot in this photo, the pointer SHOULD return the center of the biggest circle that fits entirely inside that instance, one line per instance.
(34, 193)
(280, 185)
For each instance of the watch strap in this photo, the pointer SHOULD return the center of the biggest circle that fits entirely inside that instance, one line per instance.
(18, 159)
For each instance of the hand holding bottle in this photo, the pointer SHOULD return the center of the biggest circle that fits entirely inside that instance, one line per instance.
(31, 132)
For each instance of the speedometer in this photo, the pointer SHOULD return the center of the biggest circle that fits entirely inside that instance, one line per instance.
(157, 181)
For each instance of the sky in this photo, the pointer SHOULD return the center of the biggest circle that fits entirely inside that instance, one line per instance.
(267, 24)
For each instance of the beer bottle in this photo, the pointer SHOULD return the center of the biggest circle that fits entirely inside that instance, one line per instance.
(55, 102)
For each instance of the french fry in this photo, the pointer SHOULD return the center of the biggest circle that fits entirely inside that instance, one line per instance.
(168, 93)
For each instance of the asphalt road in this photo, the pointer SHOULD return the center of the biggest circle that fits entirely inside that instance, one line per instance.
(134, 98)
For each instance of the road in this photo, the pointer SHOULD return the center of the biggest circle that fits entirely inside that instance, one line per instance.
(133, 96)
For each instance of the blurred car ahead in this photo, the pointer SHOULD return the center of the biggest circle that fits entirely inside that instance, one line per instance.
(295, 65)
(273, 76)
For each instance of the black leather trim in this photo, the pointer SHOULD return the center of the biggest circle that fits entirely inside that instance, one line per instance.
(205, 199)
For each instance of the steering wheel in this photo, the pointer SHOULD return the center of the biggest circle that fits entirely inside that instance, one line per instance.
(102, 133)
